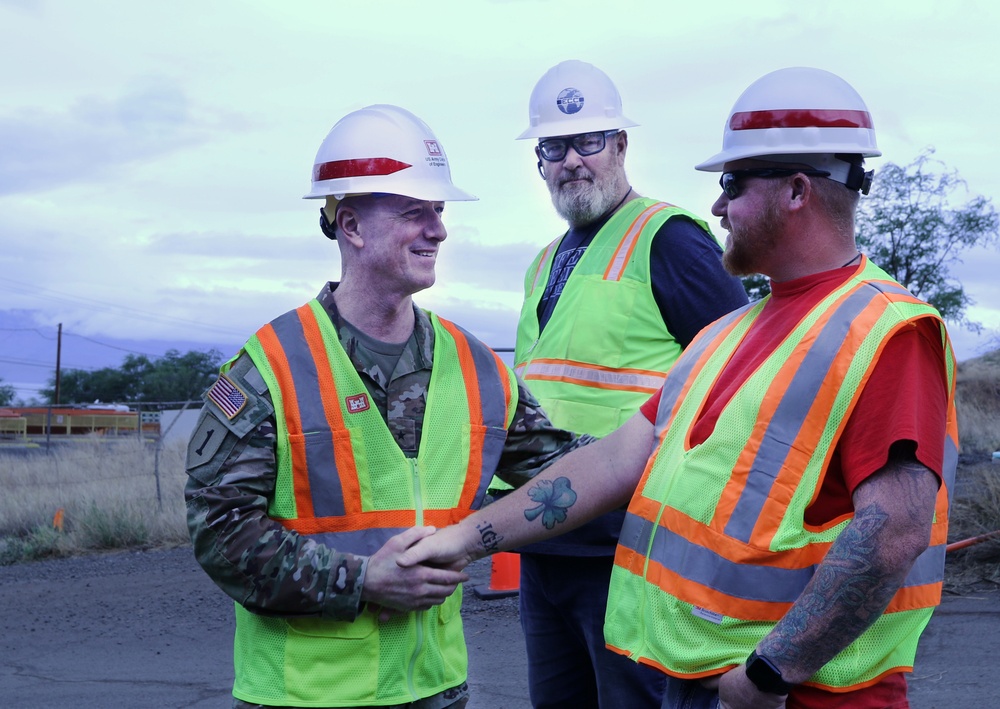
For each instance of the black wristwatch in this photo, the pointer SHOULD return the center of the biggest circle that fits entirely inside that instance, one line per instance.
(765, 675)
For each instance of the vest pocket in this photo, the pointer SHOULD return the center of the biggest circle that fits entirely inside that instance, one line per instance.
(343, 656)
(611, 304)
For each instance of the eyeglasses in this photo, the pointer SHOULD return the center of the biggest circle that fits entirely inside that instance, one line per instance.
(729, 180)
(554, 149)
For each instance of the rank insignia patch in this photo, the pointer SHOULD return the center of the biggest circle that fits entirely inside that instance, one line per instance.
(227, 396)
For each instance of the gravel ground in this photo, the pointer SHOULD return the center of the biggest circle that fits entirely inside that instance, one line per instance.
(149, 629)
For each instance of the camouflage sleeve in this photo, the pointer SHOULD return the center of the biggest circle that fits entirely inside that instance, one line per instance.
(265, 567)
(533, 442)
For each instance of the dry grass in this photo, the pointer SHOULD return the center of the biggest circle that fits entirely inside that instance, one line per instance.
(976, 508)
(975, 512)
(977, 396)
(106, 490)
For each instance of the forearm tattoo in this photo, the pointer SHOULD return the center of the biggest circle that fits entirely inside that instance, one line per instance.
(847, 584)
(554, 498)
(489, 539)
(852, 587)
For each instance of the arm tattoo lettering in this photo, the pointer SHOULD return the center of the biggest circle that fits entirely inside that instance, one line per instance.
(554, 498)
(489, 538)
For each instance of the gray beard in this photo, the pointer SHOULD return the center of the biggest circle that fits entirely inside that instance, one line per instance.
(582, 207)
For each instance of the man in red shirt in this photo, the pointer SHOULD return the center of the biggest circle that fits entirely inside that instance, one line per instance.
(784, 544)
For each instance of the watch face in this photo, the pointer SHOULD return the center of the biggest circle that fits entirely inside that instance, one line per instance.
(765, 675)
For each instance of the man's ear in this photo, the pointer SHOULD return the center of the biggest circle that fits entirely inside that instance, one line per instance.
(349, 225)
(622, 140)
(800, 192)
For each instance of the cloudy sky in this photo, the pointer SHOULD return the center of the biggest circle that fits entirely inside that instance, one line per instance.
(153, 156)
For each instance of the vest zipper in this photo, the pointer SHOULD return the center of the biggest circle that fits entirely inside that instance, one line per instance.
(418, 616)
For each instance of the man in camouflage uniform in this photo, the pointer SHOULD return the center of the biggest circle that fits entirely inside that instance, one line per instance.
(294, 590)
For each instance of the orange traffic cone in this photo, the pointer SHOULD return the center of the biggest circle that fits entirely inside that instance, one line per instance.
(505, 576)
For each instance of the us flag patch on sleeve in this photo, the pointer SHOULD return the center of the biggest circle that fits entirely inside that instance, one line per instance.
(227, 396)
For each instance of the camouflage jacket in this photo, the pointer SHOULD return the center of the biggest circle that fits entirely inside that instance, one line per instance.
(231, 479)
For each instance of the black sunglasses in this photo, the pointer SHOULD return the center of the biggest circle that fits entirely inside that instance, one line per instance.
(729, 182)
(554, 149)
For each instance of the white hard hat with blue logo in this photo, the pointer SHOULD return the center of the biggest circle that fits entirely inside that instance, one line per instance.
(574, 97)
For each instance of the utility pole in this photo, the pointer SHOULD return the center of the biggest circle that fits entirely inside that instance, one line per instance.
(58, 357)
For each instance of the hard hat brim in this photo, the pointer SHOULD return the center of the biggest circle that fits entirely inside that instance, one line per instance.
(592, 125)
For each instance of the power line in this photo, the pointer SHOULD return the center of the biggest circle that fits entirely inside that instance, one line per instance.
(105, 344)
(40, 292)
(30, 363)
(27, 329)
(67, 333)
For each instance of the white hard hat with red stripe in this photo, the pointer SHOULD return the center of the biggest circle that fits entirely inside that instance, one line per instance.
(574, 97)
(383, 149)
(798, 111)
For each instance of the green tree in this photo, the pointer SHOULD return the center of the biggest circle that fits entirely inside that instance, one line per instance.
(7, 393)
(177, 377)
(756, 286)
(172, 377)
(912, 226)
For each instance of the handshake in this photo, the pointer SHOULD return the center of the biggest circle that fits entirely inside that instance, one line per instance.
(418, 569)
(422, 566)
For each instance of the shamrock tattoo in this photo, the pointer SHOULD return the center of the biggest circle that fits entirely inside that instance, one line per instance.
(554, 497)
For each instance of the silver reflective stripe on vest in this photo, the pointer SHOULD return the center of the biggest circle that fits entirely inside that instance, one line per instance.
(360, 541)
(605, 377)
(493, 399)
(949, 466)
(886, 287)
(791, 414)
(705, 567)
(755, 582)
(928, 568)
(327, 499)
(681, 369)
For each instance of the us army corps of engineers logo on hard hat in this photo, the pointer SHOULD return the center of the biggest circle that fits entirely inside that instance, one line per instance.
(435, 155)
(569, 101)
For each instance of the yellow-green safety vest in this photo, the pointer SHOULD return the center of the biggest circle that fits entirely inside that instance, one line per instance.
(343, 481)
(606, 348)
(714, 549)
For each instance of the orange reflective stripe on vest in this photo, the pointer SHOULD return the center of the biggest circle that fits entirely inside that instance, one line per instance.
(485, 399)
(624, 251)
(324, 475)
(543, 261)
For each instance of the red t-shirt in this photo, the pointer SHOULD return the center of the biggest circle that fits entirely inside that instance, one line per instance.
(905, 399)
